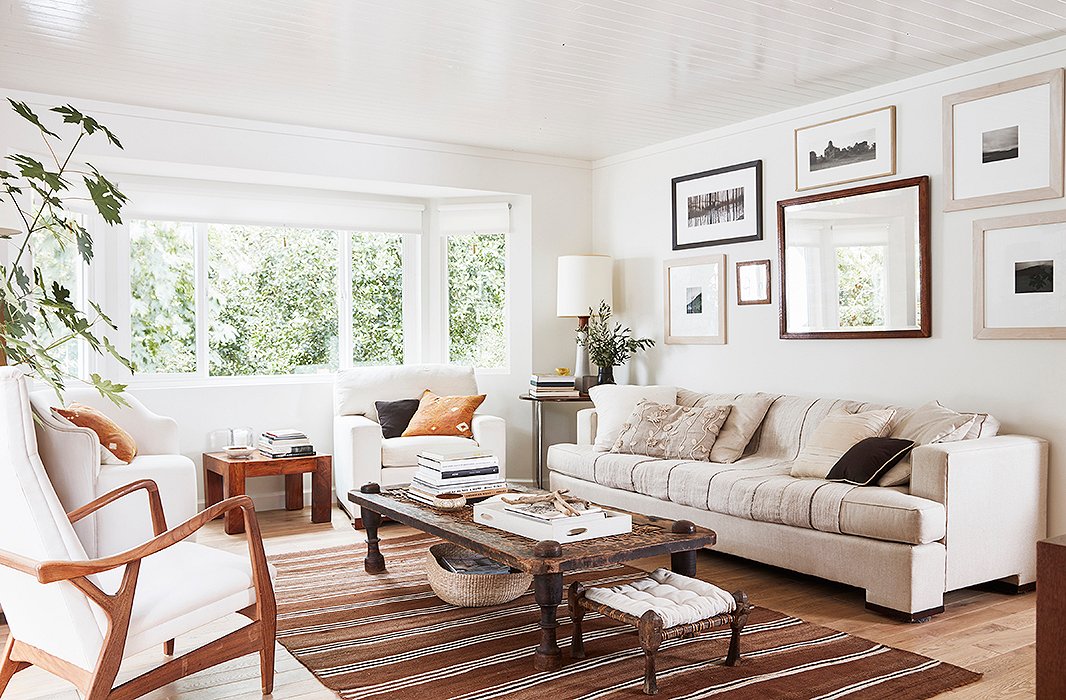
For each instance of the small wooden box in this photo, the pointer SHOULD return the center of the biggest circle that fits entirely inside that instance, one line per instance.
(493, 514)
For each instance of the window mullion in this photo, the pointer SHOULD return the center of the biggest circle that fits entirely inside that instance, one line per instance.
(200, 271)
(345, 300)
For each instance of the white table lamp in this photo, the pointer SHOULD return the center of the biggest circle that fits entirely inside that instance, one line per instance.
(584, 281)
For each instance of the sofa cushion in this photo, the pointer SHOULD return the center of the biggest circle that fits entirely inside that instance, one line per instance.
(403, 451)
(615, 402)
(444, 415)
(925, 425)
(356, 390)
(868, 459)
(395, 416)
(748, 411)
(834, 436)
(669, 431)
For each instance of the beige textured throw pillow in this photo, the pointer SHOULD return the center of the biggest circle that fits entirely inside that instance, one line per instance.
(745, 418)
(925, 425)
(835, 435)
(671, 431)
(615, 402)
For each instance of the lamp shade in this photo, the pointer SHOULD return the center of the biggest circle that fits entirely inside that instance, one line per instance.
(584, 281)
(10, 221)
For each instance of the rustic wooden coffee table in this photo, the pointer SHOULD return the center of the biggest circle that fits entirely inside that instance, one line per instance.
(547, 560)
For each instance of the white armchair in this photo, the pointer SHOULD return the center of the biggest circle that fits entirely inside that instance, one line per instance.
(71, 456)
(362, 455)
(78, 616)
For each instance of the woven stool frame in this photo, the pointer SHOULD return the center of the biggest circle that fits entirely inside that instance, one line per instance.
(651, 632)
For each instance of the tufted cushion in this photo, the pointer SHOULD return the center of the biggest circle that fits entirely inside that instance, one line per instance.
(676, 599)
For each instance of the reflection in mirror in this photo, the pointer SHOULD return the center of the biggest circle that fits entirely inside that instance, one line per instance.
(855, 262)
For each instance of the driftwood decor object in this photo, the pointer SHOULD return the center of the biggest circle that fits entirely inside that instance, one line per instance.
(118, 607)
(547, 560)
(650, 629)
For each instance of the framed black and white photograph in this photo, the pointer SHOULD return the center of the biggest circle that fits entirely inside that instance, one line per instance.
(695, 300)
(717, 206)
(753, 282)
(1003, 143)
(1019, 263)
(853, 148)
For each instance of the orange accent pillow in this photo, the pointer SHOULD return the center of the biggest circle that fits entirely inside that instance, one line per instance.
(444, 415)
(111, 436)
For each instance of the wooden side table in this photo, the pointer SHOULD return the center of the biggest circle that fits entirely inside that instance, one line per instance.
(225, 476)
(1051, 617)
(538, 429)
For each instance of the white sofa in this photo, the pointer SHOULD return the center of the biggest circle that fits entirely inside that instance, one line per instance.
(361, 454)
(71, 456)
(972, 513)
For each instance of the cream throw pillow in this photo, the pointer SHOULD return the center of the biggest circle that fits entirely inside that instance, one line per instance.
(835, 435)
(615, 403)
(671, 431)
(925, 425)
(745, 418)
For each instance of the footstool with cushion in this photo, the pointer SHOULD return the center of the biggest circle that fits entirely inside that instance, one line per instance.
(663, 606)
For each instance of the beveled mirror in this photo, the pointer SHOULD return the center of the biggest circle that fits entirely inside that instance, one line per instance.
(855, 263)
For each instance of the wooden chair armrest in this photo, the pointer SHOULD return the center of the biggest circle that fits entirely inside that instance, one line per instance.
(155, 503)
(19, 562)
(51, 571)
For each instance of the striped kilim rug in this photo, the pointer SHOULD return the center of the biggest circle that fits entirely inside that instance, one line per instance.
(389, 637)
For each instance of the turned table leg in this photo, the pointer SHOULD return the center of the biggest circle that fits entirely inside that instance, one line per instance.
(577, 614)
(548, 592)
(374, 563)
(683, 563)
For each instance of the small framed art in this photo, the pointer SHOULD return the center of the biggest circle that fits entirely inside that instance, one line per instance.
(852, 148)
(1003, 143)
(753, 282)
(1020, 276)
(695, 300)
(717, 206)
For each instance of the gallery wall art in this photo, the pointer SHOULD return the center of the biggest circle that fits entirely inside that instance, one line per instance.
(717, 206)
(1020, 276)
(753, 282)
(1003, 143)
(849, 149)
(695, 296)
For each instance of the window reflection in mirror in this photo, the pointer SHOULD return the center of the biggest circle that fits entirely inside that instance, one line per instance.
(853, 262)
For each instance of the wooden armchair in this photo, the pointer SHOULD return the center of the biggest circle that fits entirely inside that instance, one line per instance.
(78, 617)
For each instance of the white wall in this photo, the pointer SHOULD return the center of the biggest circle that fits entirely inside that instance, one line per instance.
(1022, 382)
(552, 214)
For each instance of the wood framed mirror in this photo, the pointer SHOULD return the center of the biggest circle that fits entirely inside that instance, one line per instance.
(855, 263)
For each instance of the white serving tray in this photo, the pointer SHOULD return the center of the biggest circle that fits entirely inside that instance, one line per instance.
(493, 514)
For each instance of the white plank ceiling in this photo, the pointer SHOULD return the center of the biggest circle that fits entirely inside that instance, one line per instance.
(584, 79)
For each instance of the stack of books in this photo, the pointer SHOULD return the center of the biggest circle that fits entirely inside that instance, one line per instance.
(473, 472)
(285, 443)
(546, 512)
(552, 386)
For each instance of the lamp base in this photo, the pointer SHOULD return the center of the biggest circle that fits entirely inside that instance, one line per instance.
(581, 361)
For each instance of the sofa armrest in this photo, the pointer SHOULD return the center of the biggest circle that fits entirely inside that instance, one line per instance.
(490, 432)
(586, 426)
(71, 457)
(994, 492)
(356, 454)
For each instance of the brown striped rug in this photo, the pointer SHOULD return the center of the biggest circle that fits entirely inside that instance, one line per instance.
(389, 637)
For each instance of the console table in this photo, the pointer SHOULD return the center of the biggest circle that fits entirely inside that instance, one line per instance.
(225, 476)
(538, 429)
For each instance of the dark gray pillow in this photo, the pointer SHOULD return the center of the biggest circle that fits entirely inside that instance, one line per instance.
(395, 416)
(868, 459)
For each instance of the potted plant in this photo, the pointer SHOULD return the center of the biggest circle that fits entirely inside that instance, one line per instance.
(609, 345)
(38, 315)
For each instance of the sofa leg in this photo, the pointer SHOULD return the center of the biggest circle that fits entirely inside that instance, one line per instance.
(1011, 585)
(903, 616)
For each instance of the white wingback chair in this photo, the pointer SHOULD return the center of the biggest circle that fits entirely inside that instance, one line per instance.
(362, 455)
(77, 616)
(71, 457)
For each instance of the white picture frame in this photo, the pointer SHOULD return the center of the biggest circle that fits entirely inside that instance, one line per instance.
(857, 147)
(1003, 143)
(695, 300)
(1019, 276)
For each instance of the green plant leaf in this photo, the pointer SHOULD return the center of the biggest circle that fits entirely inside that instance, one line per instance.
(23, 110)
(109, 389)
(91, 126)
(105, 196)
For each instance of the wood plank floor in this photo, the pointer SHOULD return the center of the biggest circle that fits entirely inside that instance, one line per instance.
(988, 632)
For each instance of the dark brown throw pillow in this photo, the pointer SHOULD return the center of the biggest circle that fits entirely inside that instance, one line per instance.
(868, 459)
(395, 416)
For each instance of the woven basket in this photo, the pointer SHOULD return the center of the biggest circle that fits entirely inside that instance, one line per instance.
(471, 590)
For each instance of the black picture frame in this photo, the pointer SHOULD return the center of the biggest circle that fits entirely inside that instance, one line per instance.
(757, 235)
